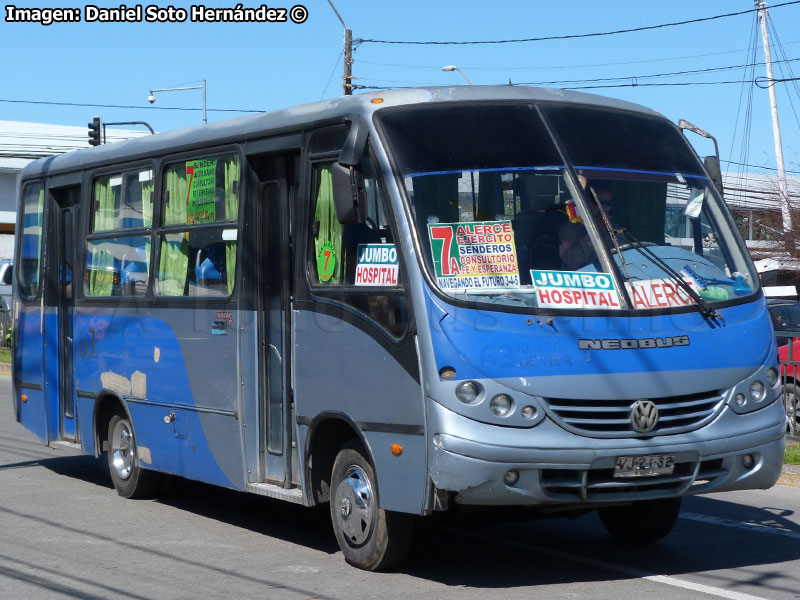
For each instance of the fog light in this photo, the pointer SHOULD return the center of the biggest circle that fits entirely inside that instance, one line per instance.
(447, 373)
(467, 392)
(501, 405)
(511, 477)
(740, 399)
(772, 376)
(757, 391)
(528, 412)
(748, 461)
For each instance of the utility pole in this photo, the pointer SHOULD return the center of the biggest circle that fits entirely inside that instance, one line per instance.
(347, 83)
(786, 215)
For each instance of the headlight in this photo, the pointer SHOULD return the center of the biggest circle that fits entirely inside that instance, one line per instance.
(772, 376)
(501, 405)
(757, 391)
(467, 392)
(528, 412)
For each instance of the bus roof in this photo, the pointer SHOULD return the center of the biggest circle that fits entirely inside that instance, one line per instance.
(294, 118)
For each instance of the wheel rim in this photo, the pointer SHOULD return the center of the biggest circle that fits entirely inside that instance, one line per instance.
(792, 418)
(354, 506)
(122, 449)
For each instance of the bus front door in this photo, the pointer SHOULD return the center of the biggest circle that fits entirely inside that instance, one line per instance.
(276, 188)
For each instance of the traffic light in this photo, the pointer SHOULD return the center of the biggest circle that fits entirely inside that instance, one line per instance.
(94, 131)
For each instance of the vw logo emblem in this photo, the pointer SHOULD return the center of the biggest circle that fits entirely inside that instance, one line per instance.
(644, 416)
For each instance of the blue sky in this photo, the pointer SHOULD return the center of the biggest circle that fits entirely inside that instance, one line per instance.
(266, 66)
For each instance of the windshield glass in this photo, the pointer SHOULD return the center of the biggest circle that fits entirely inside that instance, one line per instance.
(500, 219)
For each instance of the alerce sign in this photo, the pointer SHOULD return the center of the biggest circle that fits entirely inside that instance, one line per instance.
(474, 256)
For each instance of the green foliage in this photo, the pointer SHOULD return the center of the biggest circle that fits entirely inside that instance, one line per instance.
(792, 455)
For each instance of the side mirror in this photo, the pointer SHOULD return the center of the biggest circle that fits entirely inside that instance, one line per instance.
(349, 195)
(712, 166)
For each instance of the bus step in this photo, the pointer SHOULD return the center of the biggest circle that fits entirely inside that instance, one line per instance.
(273, 491)
(67, 447)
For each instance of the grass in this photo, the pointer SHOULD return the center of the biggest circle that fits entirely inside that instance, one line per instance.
(792, 455)
(5, 355)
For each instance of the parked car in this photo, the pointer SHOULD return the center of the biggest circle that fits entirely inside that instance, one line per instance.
(785, 316)
(6, 301)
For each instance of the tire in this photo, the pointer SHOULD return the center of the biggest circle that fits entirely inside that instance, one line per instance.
(370, 537)
(791, 401)
(642, 522)
(130, 480)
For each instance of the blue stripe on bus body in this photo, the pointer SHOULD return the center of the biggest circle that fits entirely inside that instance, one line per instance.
(123, 345)
(488, 344)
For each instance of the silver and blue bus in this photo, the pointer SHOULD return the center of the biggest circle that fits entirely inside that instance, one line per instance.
(398, 304)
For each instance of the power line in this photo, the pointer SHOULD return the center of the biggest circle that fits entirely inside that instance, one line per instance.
(543, 68)
(732, 162)
(654, 75)
(575, 35)
(85, 105)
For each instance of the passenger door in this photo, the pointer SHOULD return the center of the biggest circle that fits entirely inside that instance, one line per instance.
(65, 209)
(275, 176)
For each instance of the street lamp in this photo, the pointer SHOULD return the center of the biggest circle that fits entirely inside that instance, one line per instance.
(455, 68)
(152, 98)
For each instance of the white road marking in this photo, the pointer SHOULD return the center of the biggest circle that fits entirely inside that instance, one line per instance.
(599, 564)
(740, 525)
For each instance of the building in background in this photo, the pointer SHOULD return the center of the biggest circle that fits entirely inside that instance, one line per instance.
(21, 143)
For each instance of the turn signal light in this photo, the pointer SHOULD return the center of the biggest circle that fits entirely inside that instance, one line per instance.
(396, 449)
(24, 397)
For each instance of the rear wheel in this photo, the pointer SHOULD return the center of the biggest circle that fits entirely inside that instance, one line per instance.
(370, 537)
(641, 522)
(130, 480)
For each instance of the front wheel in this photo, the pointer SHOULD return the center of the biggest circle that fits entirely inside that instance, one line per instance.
(641, 522)
(370, 537)
(130, 480)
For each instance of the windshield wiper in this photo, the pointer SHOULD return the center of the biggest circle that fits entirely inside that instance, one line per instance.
(707, 311)
(612, 233)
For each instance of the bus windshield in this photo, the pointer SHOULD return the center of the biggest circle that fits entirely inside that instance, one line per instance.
(505, 217)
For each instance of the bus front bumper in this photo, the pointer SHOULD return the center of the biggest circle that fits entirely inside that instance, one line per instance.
(483, 464)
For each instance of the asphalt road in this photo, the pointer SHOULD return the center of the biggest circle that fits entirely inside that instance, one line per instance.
(65, 533)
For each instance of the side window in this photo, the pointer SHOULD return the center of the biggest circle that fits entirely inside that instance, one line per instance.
(356, 264)
(196, 261)
(119, 265)
(361, 255)
(29, 267)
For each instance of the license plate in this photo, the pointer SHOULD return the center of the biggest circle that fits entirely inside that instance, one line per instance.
(644, 466)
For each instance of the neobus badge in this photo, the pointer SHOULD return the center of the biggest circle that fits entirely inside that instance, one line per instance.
(570, 289)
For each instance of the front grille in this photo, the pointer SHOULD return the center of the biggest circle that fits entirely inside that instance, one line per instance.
(599, 485)
(612, 418)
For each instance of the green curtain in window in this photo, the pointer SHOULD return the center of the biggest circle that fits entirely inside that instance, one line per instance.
(232, 187)
(105, 203)
(330, 230)
(173, 265)
(147, 204)
(177, 192)
(101, 272)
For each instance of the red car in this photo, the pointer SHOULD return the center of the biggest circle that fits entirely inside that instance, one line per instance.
(786, 321)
